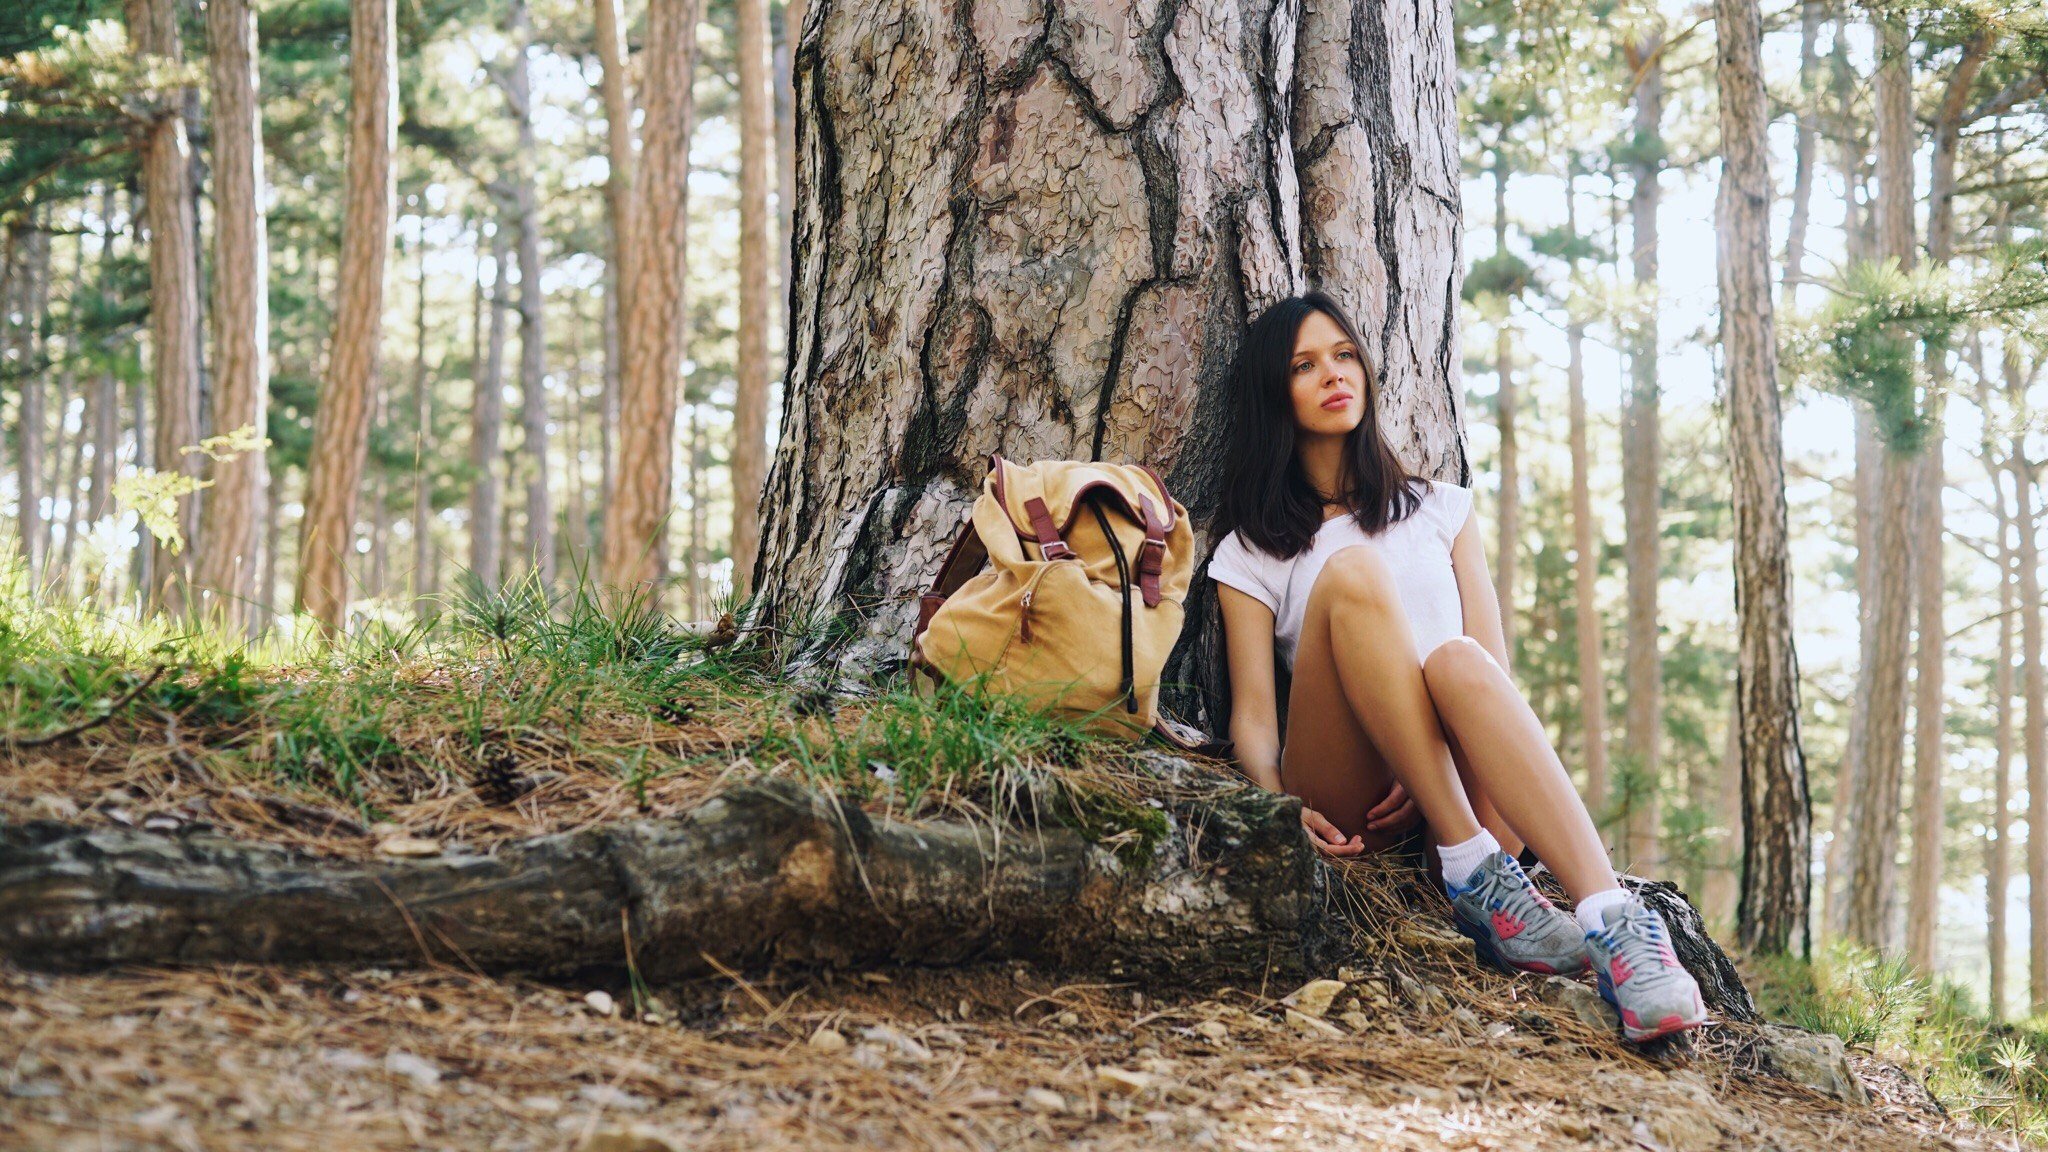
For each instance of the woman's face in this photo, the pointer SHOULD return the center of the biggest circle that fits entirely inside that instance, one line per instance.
(1326, 379)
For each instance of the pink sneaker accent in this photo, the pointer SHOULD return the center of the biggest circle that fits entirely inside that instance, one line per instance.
(1619, 971)
(1505, 926)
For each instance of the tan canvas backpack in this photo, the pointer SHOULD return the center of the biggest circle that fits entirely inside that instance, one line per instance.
(1065, 589)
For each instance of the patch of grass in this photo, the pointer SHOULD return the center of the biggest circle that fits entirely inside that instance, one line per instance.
(1933, 1029)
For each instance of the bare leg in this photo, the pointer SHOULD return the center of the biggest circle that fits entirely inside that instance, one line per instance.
(1360, 709)
(1510, 759)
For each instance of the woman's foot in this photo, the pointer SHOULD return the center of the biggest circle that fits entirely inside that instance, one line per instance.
(1512, 924)
(1640, 975)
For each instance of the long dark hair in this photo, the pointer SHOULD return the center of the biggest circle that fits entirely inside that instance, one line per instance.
(1266, 498)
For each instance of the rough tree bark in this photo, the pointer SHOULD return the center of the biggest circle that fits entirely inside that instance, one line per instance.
(486, 426)
(1642, 464)
(341, 425)
(1875, 809)
(635, 535)
(224, 561)
(1046, 242)
(174, 287)
(1775, 806)
(749, 458)
(1997, 846)
(618, 198)
(533, 343)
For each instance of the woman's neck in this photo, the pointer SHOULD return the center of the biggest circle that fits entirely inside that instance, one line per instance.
(1322, 464)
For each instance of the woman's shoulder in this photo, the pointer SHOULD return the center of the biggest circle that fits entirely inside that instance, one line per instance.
(1446, 504)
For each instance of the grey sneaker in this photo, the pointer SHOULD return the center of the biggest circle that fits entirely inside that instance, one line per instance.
(1640, 975)
(1512, 923)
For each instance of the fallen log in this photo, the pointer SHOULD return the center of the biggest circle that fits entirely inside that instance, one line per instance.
(769, 872)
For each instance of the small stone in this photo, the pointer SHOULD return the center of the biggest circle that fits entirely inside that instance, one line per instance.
(55, 806)
(1213, 1031)
(1814, 1059)
(1121, 1081)
(1314, 997)
(1043, 1101)
(541, 1105)
(409, 846)
(161, 1116)
(420, 1070)
(906, 1047)
(966, 1009)
(601, 1002)
(1350, 975)
(1498, 1029)
(1310, 1026)
(1356, 1021)
(1066, 1020)
(346, 1059)
(606, 1096)
(634, 1138)
(875, 978)
(1466, 1017)
(828, 1040)
(1583, 1003)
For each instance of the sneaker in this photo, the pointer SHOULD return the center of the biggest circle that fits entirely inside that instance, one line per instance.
(1640, 975)
(1513, 925)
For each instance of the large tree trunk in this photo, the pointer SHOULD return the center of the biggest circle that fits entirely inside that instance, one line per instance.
(174, 288)
(342, 424)
(750, 404)
(618, 199)
(1775, 806)
(486, 423)
(1873, 866)
(225, 559)
(1586, 553)
(635, 535)
(1642, 478)
(1047, 242)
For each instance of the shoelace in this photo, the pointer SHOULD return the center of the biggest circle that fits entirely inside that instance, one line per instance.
(1638, 947)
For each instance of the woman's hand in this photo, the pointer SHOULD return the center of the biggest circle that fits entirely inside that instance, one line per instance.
(1325, 836)
(1396, 810)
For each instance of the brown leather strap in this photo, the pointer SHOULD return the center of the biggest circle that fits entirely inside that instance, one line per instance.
(963, 560)
(1152, 553)
(1050, 546)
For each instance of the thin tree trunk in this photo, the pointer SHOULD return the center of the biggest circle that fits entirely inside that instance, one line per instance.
(750, 404)
(618, 191)
(1510, 512)
(576, 515)
(224, 563)
(140, 560)
(1923, 904)
(487, 419)
(1586, 554)
(26, 274)
(1804, 147)
(1997, 853)
(423, 450)
(1775, 812)
(1873, 867)
(341, 425)
(695, 552)
(174, 290)
(1642, 463)
(2035, 682)
(635, 546)
(533, 395)
(70, 484)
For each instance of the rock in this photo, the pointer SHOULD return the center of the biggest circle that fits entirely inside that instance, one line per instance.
(629, 1139)
(1121, 1081)
(828, 1040)
(1814, 1059)
(1356, 1021)
(1427, 998)
(420, 1070)
(903, 1045)
(1044, 1101)
(1583, 1002)
(1309, 1025)
(409, 846)
(1314, 997)
(1499, 1029)
(1213, 1031)
(607, 1096)
(601, 1002)
(541, 1105)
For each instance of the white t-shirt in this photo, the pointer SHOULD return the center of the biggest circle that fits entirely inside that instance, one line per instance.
(1418, 549)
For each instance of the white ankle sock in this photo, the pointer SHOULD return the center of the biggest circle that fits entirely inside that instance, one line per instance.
(1590, 910)
(1462, 860)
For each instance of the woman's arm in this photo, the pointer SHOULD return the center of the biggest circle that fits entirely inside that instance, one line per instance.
(1475, 589)
(1254, 716)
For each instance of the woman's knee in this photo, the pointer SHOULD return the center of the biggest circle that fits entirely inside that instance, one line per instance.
(1459, 666)
(1356, 575)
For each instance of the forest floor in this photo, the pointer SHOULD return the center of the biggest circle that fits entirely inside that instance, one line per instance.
(532, 727)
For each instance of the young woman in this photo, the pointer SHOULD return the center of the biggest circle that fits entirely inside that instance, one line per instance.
(1370, 586)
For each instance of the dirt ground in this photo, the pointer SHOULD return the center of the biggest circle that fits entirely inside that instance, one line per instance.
(994, 1058)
